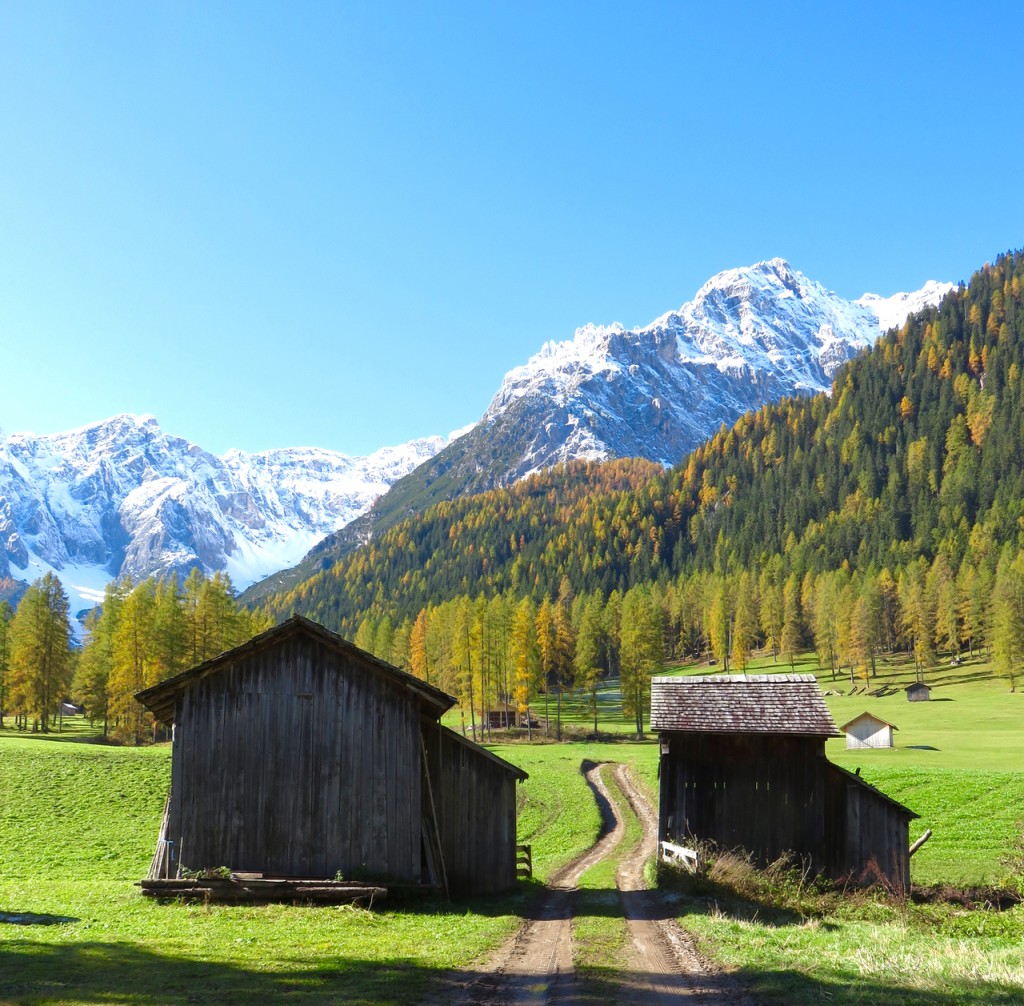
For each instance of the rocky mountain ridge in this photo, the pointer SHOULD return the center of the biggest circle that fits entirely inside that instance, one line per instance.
(123, 498)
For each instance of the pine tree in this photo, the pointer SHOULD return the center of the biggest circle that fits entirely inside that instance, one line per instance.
(565, 646)
(545, 625)
(590, 651)
(744, 629)
(1008, 618)
(419, 663)
(525, 658)
(133, 667)
(92, 676)
(40, 642)
(642, 652)
(719, 621)
(791, 634)
(772, 608)
(5, 654)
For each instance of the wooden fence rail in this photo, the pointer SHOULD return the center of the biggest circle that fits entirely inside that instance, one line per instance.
(524, 861)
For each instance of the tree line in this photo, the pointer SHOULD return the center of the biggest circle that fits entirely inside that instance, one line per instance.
(508, 652)
(139, 635)
(511, 654)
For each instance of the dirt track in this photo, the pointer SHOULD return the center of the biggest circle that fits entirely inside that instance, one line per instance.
(535, 967)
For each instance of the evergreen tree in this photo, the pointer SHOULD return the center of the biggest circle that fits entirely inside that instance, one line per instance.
(5, 654)
(791, 635)
(589, 655)
(545, 625)
(419, 662)
(642, 651)
(525, 658)
(92, 676)
(1008, 618)
(719, 621)
(772, 608)
(40, 646)
(744, 622)
(133, 667)
(565, 646)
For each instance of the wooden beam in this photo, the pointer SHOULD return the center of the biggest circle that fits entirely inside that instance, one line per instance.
(917, 845)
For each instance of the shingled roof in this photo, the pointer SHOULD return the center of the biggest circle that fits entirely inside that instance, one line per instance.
(741, 703)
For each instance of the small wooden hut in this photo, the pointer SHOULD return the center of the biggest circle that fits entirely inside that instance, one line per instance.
(918, 692)
(743, 765)
(868, 731)
(299, 755)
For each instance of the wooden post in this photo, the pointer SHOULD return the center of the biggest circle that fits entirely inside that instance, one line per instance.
(917, 845)
(433, 815)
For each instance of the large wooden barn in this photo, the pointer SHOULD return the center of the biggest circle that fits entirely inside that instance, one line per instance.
(299, 755)
(743, 765)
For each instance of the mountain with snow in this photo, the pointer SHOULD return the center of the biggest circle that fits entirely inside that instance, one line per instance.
(122, 497)
(750, 336)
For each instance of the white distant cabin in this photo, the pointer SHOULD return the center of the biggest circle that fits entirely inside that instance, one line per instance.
(868, 731)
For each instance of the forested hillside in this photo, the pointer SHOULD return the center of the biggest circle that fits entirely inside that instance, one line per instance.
(885, 515)
(917, 452)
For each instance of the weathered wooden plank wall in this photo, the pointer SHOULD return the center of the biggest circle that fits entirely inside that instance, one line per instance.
(764, 793)
(476, 809)
(299, 761)
(868, 836)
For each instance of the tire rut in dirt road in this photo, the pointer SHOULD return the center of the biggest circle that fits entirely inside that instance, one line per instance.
(535, 967)
(668, 969)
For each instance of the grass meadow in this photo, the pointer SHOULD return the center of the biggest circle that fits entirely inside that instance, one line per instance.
(78, 823)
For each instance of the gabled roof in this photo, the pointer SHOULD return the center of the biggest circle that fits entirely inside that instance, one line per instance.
(483, 752)
(741, 703)
(868, 716)
(160, 699)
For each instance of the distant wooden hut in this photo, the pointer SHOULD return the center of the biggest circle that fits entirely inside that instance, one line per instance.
(743, 765)
(868, 731)
(299, 755)
(918, 692)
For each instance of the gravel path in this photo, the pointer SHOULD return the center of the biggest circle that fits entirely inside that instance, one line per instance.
(535, 967)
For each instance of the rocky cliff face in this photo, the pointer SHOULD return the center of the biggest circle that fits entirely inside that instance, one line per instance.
(749, 336)
(121, 497)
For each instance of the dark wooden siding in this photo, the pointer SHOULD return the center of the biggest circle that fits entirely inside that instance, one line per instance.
(475, 798)
(298, 760)
(764, 793)
(867, 835)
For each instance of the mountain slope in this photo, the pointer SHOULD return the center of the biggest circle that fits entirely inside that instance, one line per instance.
(915, 454)
(750, 336)
(121, 497)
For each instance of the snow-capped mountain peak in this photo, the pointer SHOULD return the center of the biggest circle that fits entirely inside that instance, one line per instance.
(750, 335)
(122, 497)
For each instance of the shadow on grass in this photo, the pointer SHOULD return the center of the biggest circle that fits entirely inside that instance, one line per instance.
(67, 736)
(34, 919)
(112, 973)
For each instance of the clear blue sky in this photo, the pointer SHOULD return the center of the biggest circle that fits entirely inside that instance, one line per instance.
(339, 224)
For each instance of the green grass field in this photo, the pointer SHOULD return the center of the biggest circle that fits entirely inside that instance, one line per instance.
(78, 822)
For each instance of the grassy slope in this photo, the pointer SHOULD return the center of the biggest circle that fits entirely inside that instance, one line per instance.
(78, 823)
(77, 828)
